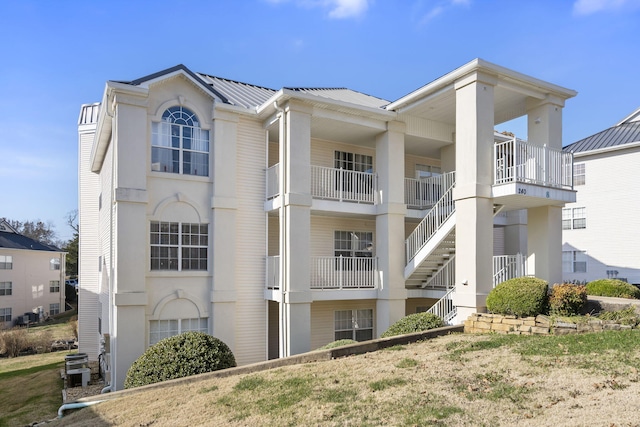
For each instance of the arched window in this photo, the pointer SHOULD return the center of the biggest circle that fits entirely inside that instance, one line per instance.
(179, 145)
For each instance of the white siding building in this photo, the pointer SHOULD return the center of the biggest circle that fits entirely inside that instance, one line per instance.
(600, 236)
(281, 220)
(31, 278)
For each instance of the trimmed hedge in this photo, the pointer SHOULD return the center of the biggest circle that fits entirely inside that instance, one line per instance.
(522, 296)
(613, 288)
(414, 323)
(567, 299)
(189, 353)
(338, 343)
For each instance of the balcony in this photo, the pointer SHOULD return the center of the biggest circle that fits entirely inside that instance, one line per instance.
(528, 175)
(332, 273)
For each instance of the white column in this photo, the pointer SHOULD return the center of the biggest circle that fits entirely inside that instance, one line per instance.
(223, 226)
(472, 194)
(128, 339)
(544, 229)
(295, 229)
(391, 211)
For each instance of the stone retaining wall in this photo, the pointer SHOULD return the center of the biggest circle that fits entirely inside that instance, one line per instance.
(539, 325)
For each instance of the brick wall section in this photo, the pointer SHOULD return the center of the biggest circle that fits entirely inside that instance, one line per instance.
(538, 325)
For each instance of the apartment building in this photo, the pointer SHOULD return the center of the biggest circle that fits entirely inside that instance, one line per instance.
(281, 220)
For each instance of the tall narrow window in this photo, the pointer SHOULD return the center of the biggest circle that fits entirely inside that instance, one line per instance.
(179, 145)
(179, 246)
(353, 325)
(579, 177)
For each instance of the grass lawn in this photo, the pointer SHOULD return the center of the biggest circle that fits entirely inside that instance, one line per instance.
(457, 380)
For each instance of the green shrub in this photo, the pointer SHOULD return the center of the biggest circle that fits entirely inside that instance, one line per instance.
(612, 288)
(626, 316)
(338, 343)
(179, 356)
(567, 299)
(522, 296)
(414, 323)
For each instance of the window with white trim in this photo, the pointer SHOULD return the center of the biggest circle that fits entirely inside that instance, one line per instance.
(54, 264)
(353, 161)
(427, 171)
(574, 218)
(54, 309)
(6, 288)
(574, 261)
(6, 262)
(160, 329)
(179, 246)
(579, 177)
(353, 244)
(178, 144)
(54, 286)
(353, 325)
(5, 314)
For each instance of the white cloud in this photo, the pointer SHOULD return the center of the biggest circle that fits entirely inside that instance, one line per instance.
(440, 8)
(341, 9)
(587, 7)
(337, 9)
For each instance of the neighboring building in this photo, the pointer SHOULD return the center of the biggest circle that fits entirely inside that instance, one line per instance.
(601, 230)
(31, 278)
(281, 220)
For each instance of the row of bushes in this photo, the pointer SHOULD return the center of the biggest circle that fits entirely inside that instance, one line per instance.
(529, 296)
(17, 341)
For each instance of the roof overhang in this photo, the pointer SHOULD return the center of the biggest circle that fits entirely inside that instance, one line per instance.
(513, 93)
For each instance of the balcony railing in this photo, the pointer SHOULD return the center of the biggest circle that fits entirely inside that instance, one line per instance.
(332, 273)
(520, 161)
(424, 193)
(343, 185)
(507, 267)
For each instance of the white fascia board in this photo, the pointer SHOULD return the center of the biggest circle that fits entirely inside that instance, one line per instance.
(234, 109)
(103, 130)
(286, 94)
(448, 80)
(607, 150)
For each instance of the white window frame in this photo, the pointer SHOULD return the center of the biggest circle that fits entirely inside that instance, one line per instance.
(355, 324)
(6, 262)
(178, 143)
(427, 171)
(6, 289)
(165, 328)
(54, 308)
(579, 174)
(5, 314)
(54, 264)
(574, 218)
(176, 246)
(353, 244)
(574, 262)
(352, 161)
(54, 286)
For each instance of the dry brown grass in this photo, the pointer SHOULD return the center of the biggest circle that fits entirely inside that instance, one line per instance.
(429, 383)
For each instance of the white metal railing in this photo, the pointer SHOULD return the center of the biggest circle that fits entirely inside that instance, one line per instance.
(519, 161)
(444, 277)
(424, 192)
(273, 178)
(273, 272)
(434, 219)
(507, 267)
(344, 272)
(343, 185)
(444, 308)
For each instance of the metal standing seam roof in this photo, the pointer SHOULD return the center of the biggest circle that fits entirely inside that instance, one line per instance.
(344, 95)
(238, 93)
(624, 133)
(18, 241)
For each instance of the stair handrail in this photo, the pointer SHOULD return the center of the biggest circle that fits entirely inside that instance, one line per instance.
(433, 220)
(444, 308)
(446, 270)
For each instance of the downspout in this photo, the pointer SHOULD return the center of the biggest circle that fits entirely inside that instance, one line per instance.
(78, 405)
(284, 320)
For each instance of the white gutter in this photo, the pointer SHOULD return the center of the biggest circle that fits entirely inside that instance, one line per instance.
(78, 405)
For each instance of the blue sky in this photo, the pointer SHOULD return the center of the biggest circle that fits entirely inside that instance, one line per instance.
(57, 55)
